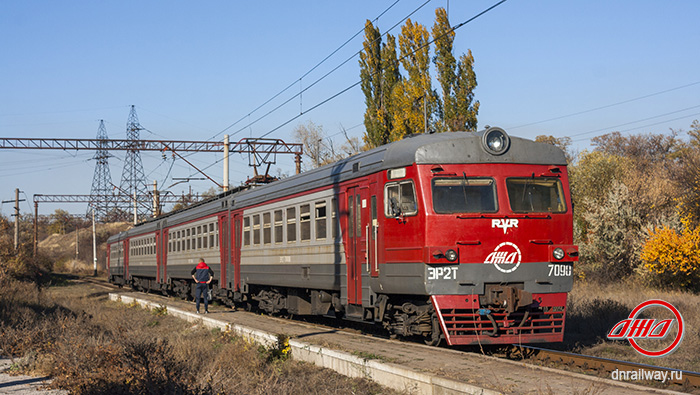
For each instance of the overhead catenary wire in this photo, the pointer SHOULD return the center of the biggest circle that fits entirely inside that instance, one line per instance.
(640, 120)
(643, 126)
(312, 84)
(316, 81)
(298, 80)
(295, 82)
(452, 29)
(607, 106)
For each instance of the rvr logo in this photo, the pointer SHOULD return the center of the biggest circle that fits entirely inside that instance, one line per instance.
(640, 329)
(504, 224)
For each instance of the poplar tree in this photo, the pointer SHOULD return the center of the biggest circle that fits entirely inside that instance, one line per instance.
(391, 77)
(445, 64)
(457, 79)
(466, 109)
(371, 82)
(410, 93)
(379, 74)
(402, 102)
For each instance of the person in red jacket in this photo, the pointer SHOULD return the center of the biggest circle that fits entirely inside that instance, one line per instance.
(202, 276)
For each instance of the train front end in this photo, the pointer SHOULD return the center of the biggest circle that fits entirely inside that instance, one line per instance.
(499, 250)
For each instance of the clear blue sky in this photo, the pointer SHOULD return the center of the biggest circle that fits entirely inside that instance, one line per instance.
(192, 69)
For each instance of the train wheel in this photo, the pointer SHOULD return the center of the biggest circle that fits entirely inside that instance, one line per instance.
(434, 338)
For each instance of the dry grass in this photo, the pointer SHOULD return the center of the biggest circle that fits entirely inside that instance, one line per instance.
(92, 346)
(594, 309)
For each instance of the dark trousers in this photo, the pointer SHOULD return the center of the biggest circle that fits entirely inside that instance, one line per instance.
(202, 290)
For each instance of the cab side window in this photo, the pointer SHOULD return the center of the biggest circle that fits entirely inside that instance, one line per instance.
(400, 199)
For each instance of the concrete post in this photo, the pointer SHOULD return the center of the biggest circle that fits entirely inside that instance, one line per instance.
(16, 218)
(226, 163)
(36, 227)
(94, 245)
(136, 213)
(156, 199)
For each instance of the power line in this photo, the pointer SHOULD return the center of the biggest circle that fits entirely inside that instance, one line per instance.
(307, 73)
(607, 106)
(643, 126)
(641, 120)
(399, 60)
(312, 108)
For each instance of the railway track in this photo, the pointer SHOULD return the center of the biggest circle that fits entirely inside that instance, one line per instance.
(681, 380)
(678, 379)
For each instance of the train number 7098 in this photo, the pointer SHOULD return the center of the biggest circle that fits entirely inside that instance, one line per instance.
(559, 270)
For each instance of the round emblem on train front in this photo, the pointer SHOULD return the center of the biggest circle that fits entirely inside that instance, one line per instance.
(505, 257)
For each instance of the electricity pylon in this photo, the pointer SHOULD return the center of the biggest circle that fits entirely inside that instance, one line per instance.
(102, 179)
(133, 178)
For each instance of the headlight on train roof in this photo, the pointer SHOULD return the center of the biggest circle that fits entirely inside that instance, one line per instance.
(558, 254)
(496, 141)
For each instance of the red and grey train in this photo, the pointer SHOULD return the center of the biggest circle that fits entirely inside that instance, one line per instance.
(465, 237)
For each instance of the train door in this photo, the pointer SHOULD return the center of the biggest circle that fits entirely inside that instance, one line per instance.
(236, 251)
(162, 255)
(358, 230)
(159, 256)
(373, 237)
(126, 259)
(223, 249)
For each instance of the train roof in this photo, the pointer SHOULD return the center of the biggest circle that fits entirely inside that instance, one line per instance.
(438, 148)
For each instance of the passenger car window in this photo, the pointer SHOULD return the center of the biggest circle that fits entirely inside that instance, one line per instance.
(256, 229)
(278, 226)
(321, 222)
(267, 229)
(305, 222)
(246, 231)
(291, 225)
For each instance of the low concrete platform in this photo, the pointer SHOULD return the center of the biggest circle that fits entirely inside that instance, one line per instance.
(410, 367)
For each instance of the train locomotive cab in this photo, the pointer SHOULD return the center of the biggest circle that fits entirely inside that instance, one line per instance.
(489, 219)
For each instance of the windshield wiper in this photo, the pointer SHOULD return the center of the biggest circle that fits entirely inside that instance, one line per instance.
(464, 191)
(522, 199)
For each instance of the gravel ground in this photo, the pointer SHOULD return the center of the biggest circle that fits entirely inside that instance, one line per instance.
(10, 384)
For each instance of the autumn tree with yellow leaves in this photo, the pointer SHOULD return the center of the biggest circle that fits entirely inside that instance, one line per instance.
(413, 97)
(673, 257)
(636, 205)
(398, 89)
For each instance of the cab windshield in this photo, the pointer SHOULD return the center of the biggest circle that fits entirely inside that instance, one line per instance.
(535, 195)
(464, 195)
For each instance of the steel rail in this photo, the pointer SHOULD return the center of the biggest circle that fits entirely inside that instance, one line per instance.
(599, 364)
